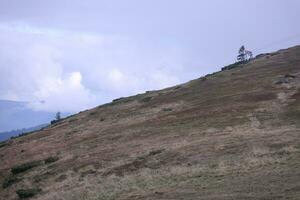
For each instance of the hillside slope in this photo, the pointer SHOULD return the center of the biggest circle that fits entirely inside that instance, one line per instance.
(234, 134)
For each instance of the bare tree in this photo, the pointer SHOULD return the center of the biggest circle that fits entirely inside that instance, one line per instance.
(244, 54)
(249, 55)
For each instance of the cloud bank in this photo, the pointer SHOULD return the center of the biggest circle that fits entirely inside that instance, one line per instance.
(71, 71)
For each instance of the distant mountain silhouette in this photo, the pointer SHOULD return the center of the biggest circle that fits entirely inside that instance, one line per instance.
(17, 115)
(8, 134)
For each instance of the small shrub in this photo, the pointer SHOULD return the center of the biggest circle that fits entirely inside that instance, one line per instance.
(289, 76)
(281, 81)
(26, 193)
(83, 174)
(51, 159)
(154, 152)
(54, 121)
(3, 144)
(61, 178)
(93, 113)
(73, 120)
(234, 65)
(118, 99)
(167, 109)
(121, 100)
(21, 135)
(146, 99)
(10, 181)
(24, 167)
(177, 87)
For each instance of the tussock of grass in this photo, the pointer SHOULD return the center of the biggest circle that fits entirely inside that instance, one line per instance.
(167, 109)
(51, 159)
(26, 193)
(146, 99)
(3, 144)
(10, 181)
(24, 167)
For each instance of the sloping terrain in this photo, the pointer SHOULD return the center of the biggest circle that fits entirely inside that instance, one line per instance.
(234, 134)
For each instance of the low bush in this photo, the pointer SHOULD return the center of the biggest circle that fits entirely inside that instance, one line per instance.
(234, 65)
(26, 193)
(61, 178)
(21, 135)
(54, 121)
(177, 87)
(51, 159)
(118, 99)
(24, 167)
(10, 181)
(3, 144)
(154, 152)
(146, 99)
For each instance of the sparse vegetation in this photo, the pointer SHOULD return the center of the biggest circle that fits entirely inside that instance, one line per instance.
(146, 99)
(24, 167)
(234, 65)
(3, 144)
(120, 100)
(167, 109)
(244, 54)
(93, 113)
(154, 152)
(43, 177)
(27, 193)
(61, 178)
(10, 181)
(57, 118)
(51, 159)
(85, 173)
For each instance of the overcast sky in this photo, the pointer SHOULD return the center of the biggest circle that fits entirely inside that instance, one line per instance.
(69, 55)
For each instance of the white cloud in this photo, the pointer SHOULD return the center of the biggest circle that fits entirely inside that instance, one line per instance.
(71, 71)
(63, 95)
(116, 76)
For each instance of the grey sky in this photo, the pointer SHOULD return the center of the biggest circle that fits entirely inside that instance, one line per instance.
(69, 55)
